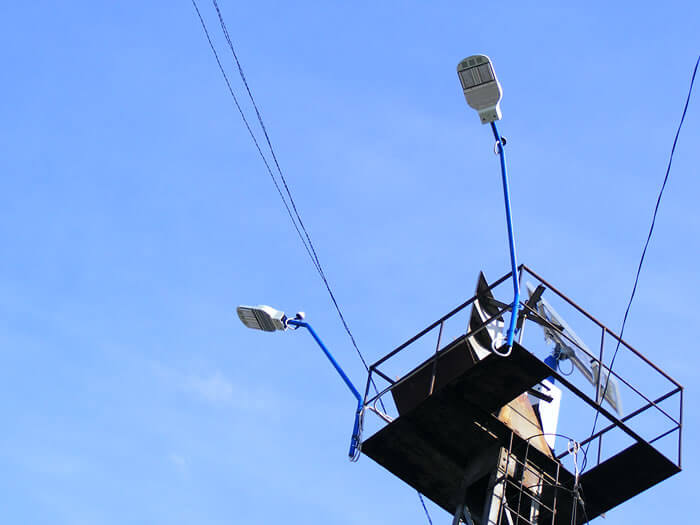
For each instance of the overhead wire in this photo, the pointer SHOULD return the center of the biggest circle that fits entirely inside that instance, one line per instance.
(224, 29)
(247, 125)
(644, 251)
(305, 237)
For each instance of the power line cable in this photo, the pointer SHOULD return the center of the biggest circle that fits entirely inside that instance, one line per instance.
(306, 237)
(224, 29)
(247, 125)
(646, 245)
(310, 248)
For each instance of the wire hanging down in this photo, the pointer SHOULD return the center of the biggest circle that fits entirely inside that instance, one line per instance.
(646, 245)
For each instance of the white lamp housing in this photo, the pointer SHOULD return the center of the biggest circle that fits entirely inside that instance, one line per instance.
(262, 317)
(481, 87)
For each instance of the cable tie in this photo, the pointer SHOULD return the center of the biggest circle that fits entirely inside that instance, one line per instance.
(500, 143)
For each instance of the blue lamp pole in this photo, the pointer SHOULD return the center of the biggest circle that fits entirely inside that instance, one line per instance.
(511, 240)
(483, 93)
(355, 439)
(268, 319)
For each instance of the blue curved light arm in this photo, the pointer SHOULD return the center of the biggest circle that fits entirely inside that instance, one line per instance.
(355, 439)
(511, 242)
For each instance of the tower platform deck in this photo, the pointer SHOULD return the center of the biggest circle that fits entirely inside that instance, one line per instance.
(444, 445)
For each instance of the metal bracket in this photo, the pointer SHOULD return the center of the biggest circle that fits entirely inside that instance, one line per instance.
(462, 514)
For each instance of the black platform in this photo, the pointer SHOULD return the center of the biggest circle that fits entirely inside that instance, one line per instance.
(434, 443)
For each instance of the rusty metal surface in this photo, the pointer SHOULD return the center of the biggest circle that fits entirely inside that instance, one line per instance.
(519, 416)
(430, 446)
(455, 359)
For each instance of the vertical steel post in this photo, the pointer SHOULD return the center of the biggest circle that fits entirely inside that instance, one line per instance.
(462, 513)
(521, 331)
(680, 429)
(435, 360)
(496, 491)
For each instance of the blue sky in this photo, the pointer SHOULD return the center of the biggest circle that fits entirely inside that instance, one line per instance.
(137, 215)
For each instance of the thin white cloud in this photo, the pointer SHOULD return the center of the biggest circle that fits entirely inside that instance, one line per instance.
(214, 389)
(178, 460)
(49, 462)
(180, 464)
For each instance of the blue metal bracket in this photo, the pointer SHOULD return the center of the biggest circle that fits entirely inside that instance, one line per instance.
(355, 439)
(511, 241)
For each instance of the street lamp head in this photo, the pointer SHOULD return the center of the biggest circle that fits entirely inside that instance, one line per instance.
(481, 87)
(262, 317)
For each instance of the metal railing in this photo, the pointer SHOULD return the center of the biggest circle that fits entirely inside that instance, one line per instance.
(672, 393)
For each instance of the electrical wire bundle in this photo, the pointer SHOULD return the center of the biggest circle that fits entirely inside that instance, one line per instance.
(280, 181)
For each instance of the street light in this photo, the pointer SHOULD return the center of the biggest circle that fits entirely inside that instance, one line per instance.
(269, 319)
(481, 87)
(483, 93)
(262, 317)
